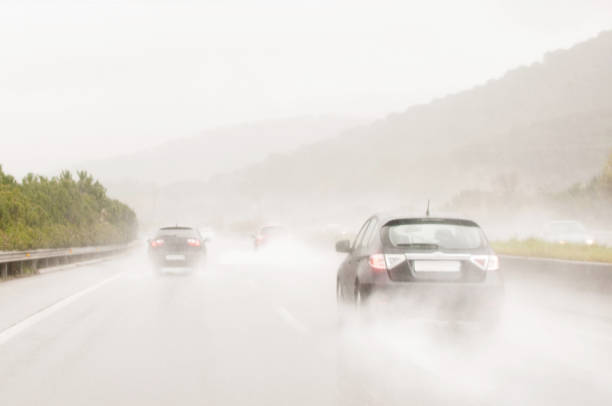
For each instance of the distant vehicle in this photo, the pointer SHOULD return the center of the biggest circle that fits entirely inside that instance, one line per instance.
(567, 232)
(440, 266)
(270, 235)
(177, 247)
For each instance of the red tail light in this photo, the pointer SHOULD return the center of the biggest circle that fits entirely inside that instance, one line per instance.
(382, 262)
(157, 243)
(486, 262)
(377, 262)
(193, 242)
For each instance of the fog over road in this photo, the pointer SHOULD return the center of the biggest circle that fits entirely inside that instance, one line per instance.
(263, 329)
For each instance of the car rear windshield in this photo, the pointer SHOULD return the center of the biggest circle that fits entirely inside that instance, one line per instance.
(185, 232)
(435, 235)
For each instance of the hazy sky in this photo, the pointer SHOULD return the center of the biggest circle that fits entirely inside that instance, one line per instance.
(88, 79)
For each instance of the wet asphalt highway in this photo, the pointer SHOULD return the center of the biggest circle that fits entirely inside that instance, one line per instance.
(263, 329)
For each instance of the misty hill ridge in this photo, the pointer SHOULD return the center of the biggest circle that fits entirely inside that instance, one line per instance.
(217, 151)
(550, 123)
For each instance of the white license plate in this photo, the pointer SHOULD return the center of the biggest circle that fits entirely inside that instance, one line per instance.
(175, 257)
(437, 266)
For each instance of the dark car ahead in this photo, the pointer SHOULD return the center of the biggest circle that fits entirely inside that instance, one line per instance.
(443, 267)
(177, 247)
(270, 235)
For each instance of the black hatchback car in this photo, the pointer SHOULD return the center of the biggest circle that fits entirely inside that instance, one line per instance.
(443, 267)
(177, 247)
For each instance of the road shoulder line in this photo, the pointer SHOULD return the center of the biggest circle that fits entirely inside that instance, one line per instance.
(42, 314)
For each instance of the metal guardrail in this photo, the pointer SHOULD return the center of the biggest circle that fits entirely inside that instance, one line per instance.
(16, 263)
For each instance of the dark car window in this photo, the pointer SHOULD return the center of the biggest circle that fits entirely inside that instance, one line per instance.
(436, 235)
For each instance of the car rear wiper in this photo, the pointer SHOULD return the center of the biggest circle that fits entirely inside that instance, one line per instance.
(419, 245)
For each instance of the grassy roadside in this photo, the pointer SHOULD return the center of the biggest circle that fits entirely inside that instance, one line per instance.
(542, 249)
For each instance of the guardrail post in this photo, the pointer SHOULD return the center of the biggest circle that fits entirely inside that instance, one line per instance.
(13, 262)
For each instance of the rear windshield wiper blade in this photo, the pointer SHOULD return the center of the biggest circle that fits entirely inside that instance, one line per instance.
(420, 245)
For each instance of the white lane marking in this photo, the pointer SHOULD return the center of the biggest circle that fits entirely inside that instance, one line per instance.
(292, 321)
(69, 266)
(20, 326)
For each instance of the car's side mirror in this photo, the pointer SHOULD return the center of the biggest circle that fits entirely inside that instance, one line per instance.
(343, 246)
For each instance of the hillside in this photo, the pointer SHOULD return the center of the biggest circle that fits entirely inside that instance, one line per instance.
(549, 123)
(217, 151)
(546, 126)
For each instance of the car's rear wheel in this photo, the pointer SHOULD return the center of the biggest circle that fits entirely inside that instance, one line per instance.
(360, 294)
(341, 303)
(361, 298)
(340, 299)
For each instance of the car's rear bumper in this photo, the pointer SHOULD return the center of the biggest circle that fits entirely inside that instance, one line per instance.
(173, 259)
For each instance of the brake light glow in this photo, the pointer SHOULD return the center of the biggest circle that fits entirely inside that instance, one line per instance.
(486, 262)
(193, 242)
(382, 262)
(157, 243)
(377, 262)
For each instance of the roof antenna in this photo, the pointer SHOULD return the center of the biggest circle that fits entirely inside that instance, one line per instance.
(427, 211)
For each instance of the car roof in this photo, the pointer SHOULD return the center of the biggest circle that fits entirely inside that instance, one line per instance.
(387, 217)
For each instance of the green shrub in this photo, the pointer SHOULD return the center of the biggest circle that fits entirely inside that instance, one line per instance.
(60, 212)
